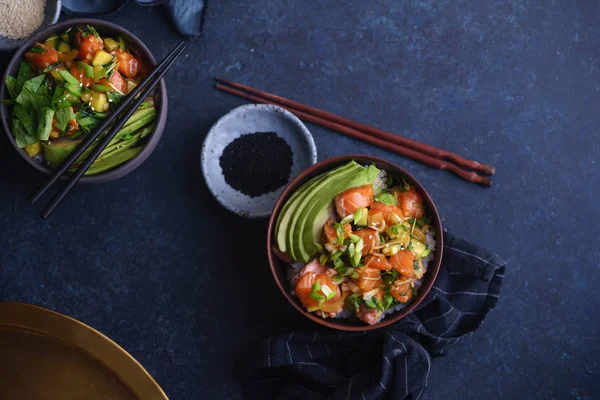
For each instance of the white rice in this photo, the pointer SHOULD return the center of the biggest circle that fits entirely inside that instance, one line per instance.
(380, 181)
(293, 274)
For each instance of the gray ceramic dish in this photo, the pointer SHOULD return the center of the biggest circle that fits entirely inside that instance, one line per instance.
(51, 15)
(248, 119)
(139, 47)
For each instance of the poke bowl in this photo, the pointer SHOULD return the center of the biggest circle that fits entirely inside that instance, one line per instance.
(64, 80)
(355, 243)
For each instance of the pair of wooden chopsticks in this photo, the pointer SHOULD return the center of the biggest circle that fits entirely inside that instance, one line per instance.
(119, 116)
(424, 153)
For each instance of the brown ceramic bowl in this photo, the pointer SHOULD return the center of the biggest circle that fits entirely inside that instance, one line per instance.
(279, 268)
(138, 47)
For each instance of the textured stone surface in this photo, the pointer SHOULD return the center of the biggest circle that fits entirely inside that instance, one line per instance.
(152, 261)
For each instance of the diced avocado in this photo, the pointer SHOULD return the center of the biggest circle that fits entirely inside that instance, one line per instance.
(391, 250)
(101, 58)
(99, 101)
(285, 216)
(364, 217)
(313, 210)
(122, 44)
(34, 149)
(52, 42)
(110, 44)
(65, 36)
(417, 247)
(64, 47)
(57, 151)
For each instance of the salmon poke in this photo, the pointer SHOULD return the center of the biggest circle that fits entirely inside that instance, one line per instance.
(358, 242)
(66, 86)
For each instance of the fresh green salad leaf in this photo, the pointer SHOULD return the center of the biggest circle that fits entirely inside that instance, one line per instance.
(29, 96)
(45, 116)
(23, 75)
(11, 86)
(63, 116)
(27, 119)
(386, 198)
(22, 138)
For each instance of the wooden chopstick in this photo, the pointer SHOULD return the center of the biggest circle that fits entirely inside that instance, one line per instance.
(119, 116)
(380, 133)
(404, 151)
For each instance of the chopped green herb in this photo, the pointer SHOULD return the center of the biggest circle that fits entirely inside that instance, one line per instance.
(89, 70)
(94, 31)
(416, 266)
(323, 259)
(314, 293)
(386, 198)
(75, 90)
(347, 219)
(86, 121)
(353, 301)
(98, 87)
(354, 238)
(51, 67)
(388, 299)
(394, 229)
(37, 49)
(403, 186)
(339, 230)
(70, 79)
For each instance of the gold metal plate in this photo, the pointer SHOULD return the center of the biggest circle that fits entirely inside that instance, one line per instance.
(46, 355)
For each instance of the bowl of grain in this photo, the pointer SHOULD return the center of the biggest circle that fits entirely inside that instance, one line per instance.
(21, 18)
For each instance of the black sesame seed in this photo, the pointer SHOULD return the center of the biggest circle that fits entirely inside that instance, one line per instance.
(257, 163)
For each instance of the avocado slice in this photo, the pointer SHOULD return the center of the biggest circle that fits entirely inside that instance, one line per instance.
(57, 151)
(113, 161)
(342, 172)
(320, 207)
(285, 215)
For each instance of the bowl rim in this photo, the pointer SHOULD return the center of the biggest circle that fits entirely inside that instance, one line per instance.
(391, 168)
(249, 108)
(153, 138)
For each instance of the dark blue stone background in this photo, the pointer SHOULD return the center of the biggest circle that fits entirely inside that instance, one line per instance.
(156, 264)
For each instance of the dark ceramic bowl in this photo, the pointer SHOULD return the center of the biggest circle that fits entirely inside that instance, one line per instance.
(138, 47)
(279, 268)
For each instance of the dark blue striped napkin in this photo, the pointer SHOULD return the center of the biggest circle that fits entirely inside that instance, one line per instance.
(389, 363)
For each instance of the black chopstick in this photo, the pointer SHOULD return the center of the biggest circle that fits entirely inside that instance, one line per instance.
(149, 83)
